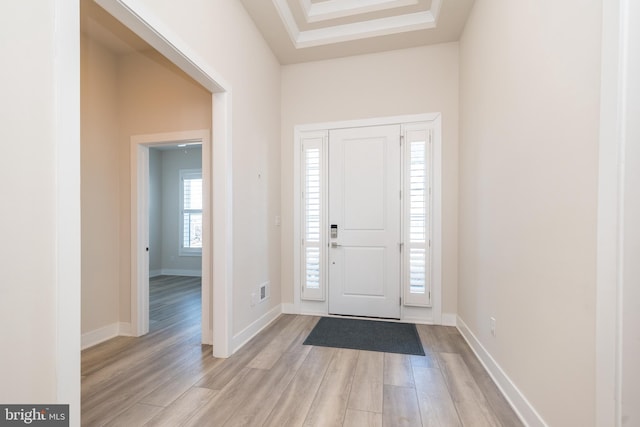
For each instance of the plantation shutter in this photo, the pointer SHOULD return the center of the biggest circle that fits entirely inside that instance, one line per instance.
(313, 217)
(417, 215)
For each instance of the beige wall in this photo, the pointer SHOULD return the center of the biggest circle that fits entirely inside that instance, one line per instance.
(122, 96)
(155, 97)
(529, 96)
(222, 34)
(100, 159)
(411, 81)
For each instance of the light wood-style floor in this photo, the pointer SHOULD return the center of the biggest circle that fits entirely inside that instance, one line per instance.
(168, 379)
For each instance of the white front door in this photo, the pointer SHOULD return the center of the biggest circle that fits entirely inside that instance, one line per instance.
(364, 210)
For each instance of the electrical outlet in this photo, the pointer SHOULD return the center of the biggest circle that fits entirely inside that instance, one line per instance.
(492, 323)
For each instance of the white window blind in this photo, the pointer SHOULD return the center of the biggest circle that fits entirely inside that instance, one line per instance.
(191, 212)
(313, 226)
(417, 219)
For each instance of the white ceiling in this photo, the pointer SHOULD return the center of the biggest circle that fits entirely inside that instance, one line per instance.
(309, 30)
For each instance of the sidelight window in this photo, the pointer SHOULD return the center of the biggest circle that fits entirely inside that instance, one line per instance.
(417, 212)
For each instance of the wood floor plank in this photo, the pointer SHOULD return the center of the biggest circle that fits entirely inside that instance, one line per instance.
(355, 418)
(503, 411)
(366, 390)
(268, 356)
(183, 408)
(397, 370)
(181, 381)
(264, 397)
(274, 380)
(436, 406)
(430, 359)
(294, 403)
(220, 376)
(330, 404)
(146, 377)
(230, 399)
(400, 407)
(137, 415)
(471, 404)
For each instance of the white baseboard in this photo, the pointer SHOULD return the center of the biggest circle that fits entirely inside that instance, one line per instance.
(155, 273)
(527, 413)
(449, 319)
(253, 329)
(179, 272)
(97, 336)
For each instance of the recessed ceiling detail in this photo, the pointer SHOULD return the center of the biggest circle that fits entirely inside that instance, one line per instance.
(331, 9)
(313, 30)
(360, 29)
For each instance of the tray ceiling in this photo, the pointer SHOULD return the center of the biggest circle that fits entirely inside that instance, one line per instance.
(308, 30)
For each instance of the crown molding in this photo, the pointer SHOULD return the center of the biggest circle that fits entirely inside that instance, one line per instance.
(358, 30)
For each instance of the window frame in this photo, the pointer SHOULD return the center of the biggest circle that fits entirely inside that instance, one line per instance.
(412, 133)
(186, 174)
(314, 141)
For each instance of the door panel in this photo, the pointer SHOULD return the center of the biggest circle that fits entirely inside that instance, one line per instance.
(364, 271)
(364, 203)
(364, 184)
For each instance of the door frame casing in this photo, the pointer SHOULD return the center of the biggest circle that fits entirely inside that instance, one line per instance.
(140, 181)
(413, 314)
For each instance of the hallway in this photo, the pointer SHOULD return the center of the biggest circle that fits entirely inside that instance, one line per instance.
(167, 378)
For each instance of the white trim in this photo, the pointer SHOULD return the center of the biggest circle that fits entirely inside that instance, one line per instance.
(155, 273)
(222, 208)
(105, 333)
(180, 272)
(218, 261)
(139, 209)
(358, 30)
(374, 121)
(244, 336)
(318, 140)
(140, 145)
(66, 137)
(436, 236)
(610, 234)
(97, 336)
(426, 131)
(522, 407)
(433, 314)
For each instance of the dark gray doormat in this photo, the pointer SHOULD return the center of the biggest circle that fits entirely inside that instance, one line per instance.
(369, 335)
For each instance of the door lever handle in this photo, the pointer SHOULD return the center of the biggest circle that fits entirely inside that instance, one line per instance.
(335, 245)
